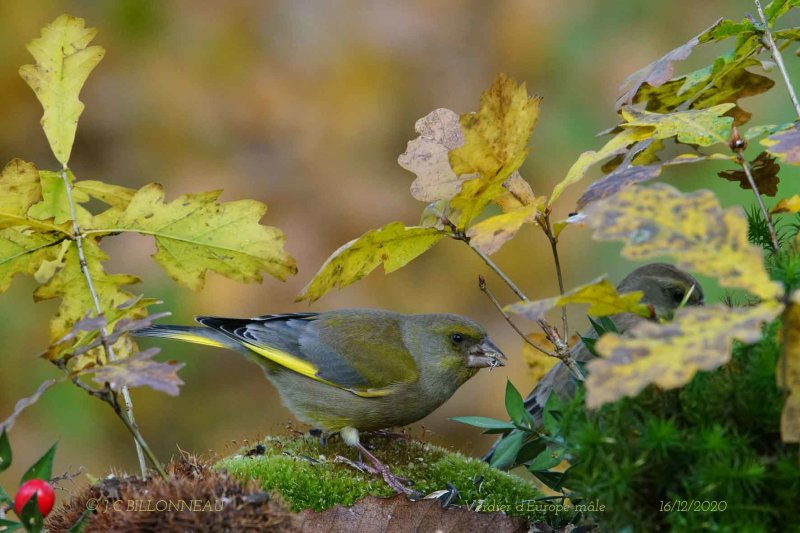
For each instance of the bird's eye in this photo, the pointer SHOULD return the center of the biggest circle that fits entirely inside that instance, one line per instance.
(457, 338)
(677, 293)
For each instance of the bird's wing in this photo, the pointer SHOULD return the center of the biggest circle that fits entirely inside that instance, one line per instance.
(353, 352)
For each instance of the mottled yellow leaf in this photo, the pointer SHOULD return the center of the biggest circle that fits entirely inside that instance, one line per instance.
(787, 205)
(692, 228)
(19, 190)
(498, 133)
(22, 252)
(64, 60)
(703, 127)
(491, 234)
(618, 144)
(600, 294)
(788, 373)
(393, 245)
(69, 284)
(669, 354)
(427, 156)
(55, 203)
(195, 234)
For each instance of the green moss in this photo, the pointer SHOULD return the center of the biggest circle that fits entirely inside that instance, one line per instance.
(307, 476)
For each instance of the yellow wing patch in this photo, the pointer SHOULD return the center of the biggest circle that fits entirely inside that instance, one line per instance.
(307, 369)
(196, 339)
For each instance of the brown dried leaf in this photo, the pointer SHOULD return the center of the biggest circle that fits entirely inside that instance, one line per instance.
(765, 173)
(427, 156)
(140, 370)
(398, 513)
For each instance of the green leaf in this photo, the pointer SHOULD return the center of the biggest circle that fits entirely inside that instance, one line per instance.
(394, 245)
(553, 480)
(778, 8)
(5, 451)
(547, 459)
(4, 498)
(63, 63)
(484, 422)
(702, 127)
(498, 133)
(31, 517)
(42, 468)
(195, 233)
(507, 450)
(55, 203)
(7, 526)
(22, 252)
(109, 194)
(515, 406)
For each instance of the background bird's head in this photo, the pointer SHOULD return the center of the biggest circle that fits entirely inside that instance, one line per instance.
(664, 286)
(451, 345)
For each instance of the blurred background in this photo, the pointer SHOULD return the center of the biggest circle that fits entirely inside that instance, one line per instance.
(305, 106)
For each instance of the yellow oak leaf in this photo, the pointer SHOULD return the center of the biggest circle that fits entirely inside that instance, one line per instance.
(618, 144)
(600, 294)
(64, 61)
(787, 205)
(692, 228)
(668, 355)
(55, 203)
(491, 234)
(195, 234)
(393, 245)
(23, 252)
(703, 127)
(498, 133)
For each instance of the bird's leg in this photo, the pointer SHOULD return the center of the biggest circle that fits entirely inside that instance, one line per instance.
(351, 438)
(320, 434)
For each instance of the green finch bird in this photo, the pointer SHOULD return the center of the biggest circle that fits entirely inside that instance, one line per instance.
(664, 288)
(354, 370)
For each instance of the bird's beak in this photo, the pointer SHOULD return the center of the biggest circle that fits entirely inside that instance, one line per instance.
(485, 355)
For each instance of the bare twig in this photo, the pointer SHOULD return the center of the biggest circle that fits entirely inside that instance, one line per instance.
(108, 395)
(739, 149)
(109, 350)
(562, 349)
(488, 293)
(769, 42)
(548, 231)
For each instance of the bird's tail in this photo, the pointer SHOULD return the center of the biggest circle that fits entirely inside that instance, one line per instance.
(196, 335)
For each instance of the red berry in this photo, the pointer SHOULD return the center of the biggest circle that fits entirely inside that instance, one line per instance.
(44, 494)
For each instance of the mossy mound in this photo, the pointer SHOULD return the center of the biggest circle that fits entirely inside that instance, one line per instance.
(307, 477)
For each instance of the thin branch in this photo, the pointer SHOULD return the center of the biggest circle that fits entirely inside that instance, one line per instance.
(746, 167)
(488, 293)
(107, 395)
(109, 350)
(491, 264)
(776, 55)
(548, 231)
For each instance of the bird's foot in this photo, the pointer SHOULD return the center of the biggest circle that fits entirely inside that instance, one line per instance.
(396, 483)
(389, 434)
(358, 465)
